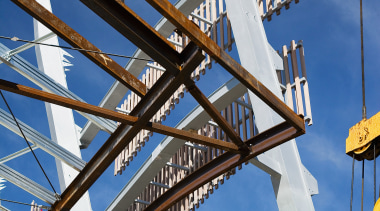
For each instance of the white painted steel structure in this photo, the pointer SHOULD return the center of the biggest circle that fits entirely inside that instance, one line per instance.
(61, 119)
(292, 183)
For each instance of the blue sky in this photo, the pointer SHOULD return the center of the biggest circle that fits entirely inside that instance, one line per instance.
(331, 33)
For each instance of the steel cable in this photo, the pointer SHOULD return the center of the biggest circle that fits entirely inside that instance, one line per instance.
(362, 184)
(352, 180)
(23, 135)
(71, 48)
(32, 205)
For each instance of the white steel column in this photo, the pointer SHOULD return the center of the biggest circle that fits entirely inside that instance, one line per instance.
(290, 186)
(61, 120)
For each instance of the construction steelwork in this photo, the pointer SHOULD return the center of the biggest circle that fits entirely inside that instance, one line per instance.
(235, 125)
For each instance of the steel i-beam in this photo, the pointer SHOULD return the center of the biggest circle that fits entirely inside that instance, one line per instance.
(113, 115)
(76, 40)
(220, 56)
(147, 107)
(222, 164)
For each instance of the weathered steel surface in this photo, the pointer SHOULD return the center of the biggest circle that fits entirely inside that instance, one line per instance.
(179, 67)
(260, 143)
(147, 107)
(76, 40)
(215, 115)
(116, 116)
(191, 136)
(129, 24)
(66, 102)
(220, 56)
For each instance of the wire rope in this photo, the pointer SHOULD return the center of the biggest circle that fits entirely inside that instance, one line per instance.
(23, 135)
(352, 180)
(374, 173)
(364, 110)
(362, 185)
(71, 48)
(32, 205)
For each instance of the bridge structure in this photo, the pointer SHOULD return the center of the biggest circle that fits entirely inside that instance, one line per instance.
(251, 119)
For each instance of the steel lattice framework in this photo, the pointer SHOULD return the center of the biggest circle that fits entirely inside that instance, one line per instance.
(179, 64)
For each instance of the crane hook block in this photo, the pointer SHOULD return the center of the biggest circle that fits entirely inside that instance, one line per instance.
(362, 137)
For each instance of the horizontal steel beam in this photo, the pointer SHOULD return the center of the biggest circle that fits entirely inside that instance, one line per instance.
(120, 117)
(220, 56)
(27, 184)
(193, 137)
(222, 164)
(76, 40)
(67, 102)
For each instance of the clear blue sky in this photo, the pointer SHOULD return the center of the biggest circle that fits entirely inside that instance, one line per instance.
(331, 34)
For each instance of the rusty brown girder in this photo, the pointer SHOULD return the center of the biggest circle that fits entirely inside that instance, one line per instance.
(224, 163)
(192, 137)
(219, 55)
(76, 40)
(66, 102)
(179, 67)
(147, 107)
(215, 115)
(128, 23)
(135, 29)
(113, 115)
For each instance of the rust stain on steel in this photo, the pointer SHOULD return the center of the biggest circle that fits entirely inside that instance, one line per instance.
(191, 136)
(263, 141)
(76, 40)
(131, 26)
(215, 115)
(148, 106)
(66, 102)
(238, 71)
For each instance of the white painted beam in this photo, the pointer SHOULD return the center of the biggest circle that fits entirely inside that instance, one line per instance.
(41, 141)
(26, 184)
(61, 120)
(42, 80)
(290, 187)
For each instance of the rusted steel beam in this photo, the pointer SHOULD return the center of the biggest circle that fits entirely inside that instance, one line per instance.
(220, 56)
(193, 137)
(148, 106)
(66, 102)
(113, 115)
(76, 40)
(224, 163)
(215, 115)
(129, 24)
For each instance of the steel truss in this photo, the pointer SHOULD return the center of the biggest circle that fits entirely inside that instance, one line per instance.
(178, 68)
